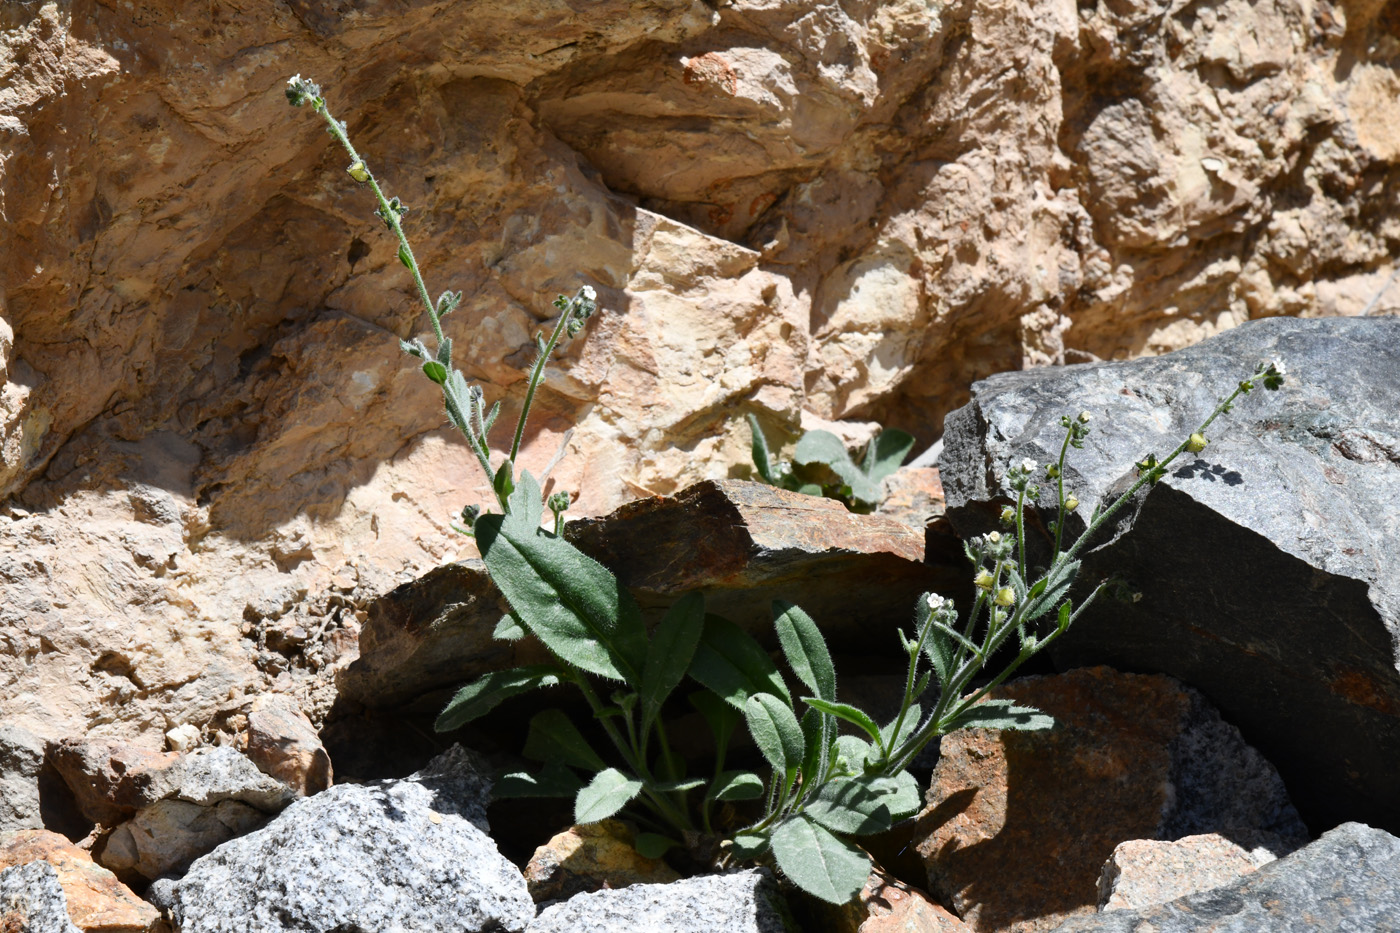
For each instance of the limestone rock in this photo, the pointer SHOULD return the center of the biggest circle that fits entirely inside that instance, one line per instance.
(1019, 824)
(740, 902)
(1143, 872)
(96, 901)
(32, 900)
(589, 857)
(1343, 881)
(21, 760)
(283, 744)
(1244, 560)
(410, 855)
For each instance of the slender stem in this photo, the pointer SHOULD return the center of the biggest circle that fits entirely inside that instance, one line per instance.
(537, 376)
(1060, 479)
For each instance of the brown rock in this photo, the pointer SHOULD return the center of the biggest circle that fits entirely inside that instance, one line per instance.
(283, 743)
(914, 496)
(1144, 872)
(170, 834)
(1020, 823)
(97, 901)
(110, 779)
(588, 858)
(888, 905)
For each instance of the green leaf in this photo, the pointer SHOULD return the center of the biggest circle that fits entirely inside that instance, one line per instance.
(805, 649)
(565, 598)
(762, 460)
(435, 371)
(825, 447)
(553, 780)
(653, 845)
(484, 694)
(737, 785)
(900, 794)
(608, 792)
(504, 481)
(733, 665)
(818, 735)
(508, 629)
(848, 713)
(808, 489)
(855, 751)
(669, 653)
(906, 729)
(721, 717)
(1053, 588)
(1000, 714)
(552, 737)
(849, 806)
(444, 355)
(405, 258)
(678, 786)
(941, 649)
(886, 453)
(775, 731)
(818, 862)
(749, 845)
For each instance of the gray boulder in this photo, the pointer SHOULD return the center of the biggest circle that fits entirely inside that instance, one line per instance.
(1344, 882)
(1262, 570)
(32, 900)
(741, 902)
(21, 760)
(407, 856)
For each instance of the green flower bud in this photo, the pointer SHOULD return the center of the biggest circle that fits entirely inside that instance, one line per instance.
(1071, 503)
(983, 580)
(1052, 471)
(1008, 515)
(1196, 443)
(1005, 596)
(358, 171)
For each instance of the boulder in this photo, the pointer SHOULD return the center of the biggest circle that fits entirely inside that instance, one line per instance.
(283, 743)
(589, 857)
(96, 901)
(739, 902)
(1261, 570)
(32, 900)
(1344, 881)
(411, 855)
(1144, 872)
(1019, 824)
(169, 834)
(21, 761)
(111, 779)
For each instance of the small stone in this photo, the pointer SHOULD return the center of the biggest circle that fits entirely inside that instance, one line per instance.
(1143, 872)
(283, 743)
(96, 901)
(589, 857)
(888, 905)
(182, 738)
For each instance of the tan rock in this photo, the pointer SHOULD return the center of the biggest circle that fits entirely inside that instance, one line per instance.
(97, 901)
(111, 780)
(591, 857)
(283, 743)
(888, 905)
(170, 834)
(1144, 872)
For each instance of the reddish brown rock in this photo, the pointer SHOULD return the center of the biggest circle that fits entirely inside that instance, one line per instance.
(589, 858)
(888, 905)
(1144, 872)
(97, 901)
(283, 743)
(1020, 823)
(110, 779)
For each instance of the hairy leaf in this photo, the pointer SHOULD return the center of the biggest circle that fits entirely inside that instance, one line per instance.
(886, 453)
(609, 791)
(848, 713)
(900, 794)
(733, 665)
(818, 862)
(805, 649)
(486, 693)
(762, 460)
(669, 653)
(775, 731)
(553, 780)
(552, 737)
(1000, 714)
(508, 629)
(749, 845)
(737, 785)
(1056, 587)
(855, 751)
(825, 447)
(850, 806)
(653, 845)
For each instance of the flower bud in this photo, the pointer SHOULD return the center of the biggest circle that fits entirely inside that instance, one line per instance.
(1071, 503)
(1052, 471)
(1084, 417)
(358, 171)
(1008, 515)
(983, 580)
(1196, 443)
(994, 537)
(1005, 596)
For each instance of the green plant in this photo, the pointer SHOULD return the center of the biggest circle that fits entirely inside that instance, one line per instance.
(821, 788)
(820, 455)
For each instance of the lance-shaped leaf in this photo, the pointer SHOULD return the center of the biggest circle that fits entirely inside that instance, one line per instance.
(818, 862)
(1000, 714)
(762, 460)
(886, 452)
(775, 731)
(609, 791)
(737, 785)
(552, 737)
(850, 806)
(669, 653)
(486, 693)
(805, 649)
(733, 665)
(1049, 592)
(565, 598)
(849, 713)
(825, 447)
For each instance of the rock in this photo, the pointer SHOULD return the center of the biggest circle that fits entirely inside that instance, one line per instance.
(169, 834)
(283, 744)
(914, 496)
(1143, 872)
(96, 901)
(589, 857)
(182, 739)
(887, 905)
(21, 761)
(1244, 561)
(1343, 881)
(740, 902)
(110, 779)
(410, 855)
(1019, 824)
(32, 900)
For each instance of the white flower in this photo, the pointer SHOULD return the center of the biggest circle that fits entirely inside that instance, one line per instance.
(589, 293)
(1028, 465)
(1084, 417)
(1278, 367)
(935, 602)
(294, 80)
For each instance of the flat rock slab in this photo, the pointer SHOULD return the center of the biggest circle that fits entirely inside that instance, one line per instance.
(411, 856)
(95, 900)
(1262, 570)
(1344, 882)
(1020, 823)
(741, 902)
(743, 544)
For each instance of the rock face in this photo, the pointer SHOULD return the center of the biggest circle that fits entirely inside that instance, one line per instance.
(216, 455)
(32, 901)
(1019, 824)
(96, 901)
(741, 902)
(21, 761)
(1262, 570)
(410, 855)
(1343, 881)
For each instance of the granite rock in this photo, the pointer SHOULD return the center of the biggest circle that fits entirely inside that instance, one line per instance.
(96, 901)
(32, 900)
(21, 761)
(740, 902)
(1143, 872)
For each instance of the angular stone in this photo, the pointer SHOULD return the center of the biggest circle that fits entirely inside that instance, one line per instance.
(110, 779)
(740, 902)
(1345, 881)
(914, 496)
(96, 901)
(589, 857)
(1144, 872)
(1020, 823)
(169, 834)
(409, 855)
(283, 744)
(887, 905)
(32, 900)
(1261, 570)
(21, 761)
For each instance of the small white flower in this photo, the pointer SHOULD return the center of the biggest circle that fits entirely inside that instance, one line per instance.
(994, 537)
(589, 293)
(1028, 465)
(294, 80)
(1084, 417)
(936, 602)
(1278, 367)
